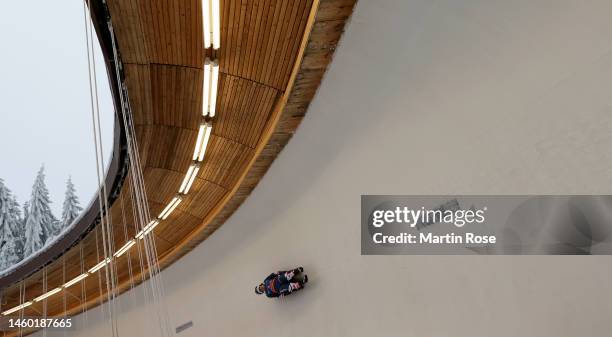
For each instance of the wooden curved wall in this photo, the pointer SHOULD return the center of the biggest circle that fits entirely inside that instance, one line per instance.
(272, 58)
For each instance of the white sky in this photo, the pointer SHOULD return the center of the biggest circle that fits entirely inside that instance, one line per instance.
(45, 114)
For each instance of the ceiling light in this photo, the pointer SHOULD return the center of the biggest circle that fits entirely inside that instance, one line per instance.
(214, 82)
(49, 293)
(99, 265)
(216, 24)
(147, 229)
(206, 23)
(19, 307)
(150, 228)
(192, 173)
(201, 132)
(211, 21)
(209, 90)
(203, 144)
(170, 208)
(125, 248)
(75, 280)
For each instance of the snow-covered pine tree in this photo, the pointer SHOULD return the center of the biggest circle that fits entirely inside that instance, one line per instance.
(19, 227)
(5, 201)
(15, 211)
(40, 224)
(26, 212)
(71, 208)
(24, 219)
(8, 254)
(9, 220)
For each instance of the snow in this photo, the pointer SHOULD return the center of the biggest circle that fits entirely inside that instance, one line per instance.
(22, 236)
(9, 228)
(71, 208)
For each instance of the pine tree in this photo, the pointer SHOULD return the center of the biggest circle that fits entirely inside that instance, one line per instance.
(26, 213)
(40, 224)
(71, 207)
(18, 228)
(8, 254)
(9, 222)
(5, 201)
(15, 212)
(24, 219)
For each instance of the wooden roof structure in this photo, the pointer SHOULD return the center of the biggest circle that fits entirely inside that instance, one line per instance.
(272, 59)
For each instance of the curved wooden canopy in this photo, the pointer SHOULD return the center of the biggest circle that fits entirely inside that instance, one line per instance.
(272, 58)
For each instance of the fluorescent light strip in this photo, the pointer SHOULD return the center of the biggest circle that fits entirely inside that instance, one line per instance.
(125, 248)
(216, 24)
(192, 179)
(204, 143)
(178, 201)
(150, 228)
(163, 214)
(99, 265)
(206, 88)
(206, 9)
(201, 132)
(187, 178)
(192, 172)
(214, 82)
(75, 280)
(212, 23)
(19, 307)
(170, 208)
(147, 229)
(209, 89)
(47, 294)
